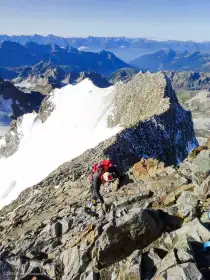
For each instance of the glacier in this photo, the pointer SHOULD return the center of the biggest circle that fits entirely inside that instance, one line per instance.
(77, 123)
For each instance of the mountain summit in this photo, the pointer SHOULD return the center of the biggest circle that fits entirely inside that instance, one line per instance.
(170, 60)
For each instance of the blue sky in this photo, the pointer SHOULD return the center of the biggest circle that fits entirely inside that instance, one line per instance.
(154, 19)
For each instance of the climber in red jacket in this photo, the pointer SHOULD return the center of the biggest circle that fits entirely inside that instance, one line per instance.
(101, 173)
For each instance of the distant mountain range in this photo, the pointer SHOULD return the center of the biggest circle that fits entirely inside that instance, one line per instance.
(125, 48)
(171, 60)
(190, 80)
(14, 55)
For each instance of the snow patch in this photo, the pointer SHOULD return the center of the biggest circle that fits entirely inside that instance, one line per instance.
(83, 48)
(2, 142)
(24, 84)
(78, 122)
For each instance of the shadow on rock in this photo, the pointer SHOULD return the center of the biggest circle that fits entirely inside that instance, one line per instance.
(135, 230)
(202, 258)
(168, 137)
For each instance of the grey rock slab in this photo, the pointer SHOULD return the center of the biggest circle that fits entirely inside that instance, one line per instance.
(187, 271)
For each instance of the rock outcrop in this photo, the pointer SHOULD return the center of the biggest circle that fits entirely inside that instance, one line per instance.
(45, 77)
(42, 77)
(124, 75)
(157, 114)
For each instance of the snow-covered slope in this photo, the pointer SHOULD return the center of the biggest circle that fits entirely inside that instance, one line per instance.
(77, 123)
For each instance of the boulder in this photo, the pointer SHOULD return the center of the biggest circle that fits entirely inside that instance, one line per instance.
(35, 254)
(150, 261)
(184, 252)
(56, 229)
(66, 224)
(188, 198)
(171, 197)
(186, 206)
(205, 218)
(193, 230)
(185, 169)
(193, 154)
(179, 247)
(168, 261)
(71, 261)
(185, 212)
(204, 189)
(184, 271)
(50, 269)
(147, 168)
(129, 268)
(181, 253)
(137, 229)
(201, 167)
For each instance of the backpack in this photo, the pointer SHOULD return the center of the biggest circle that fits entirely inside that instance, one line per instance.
(105, 163)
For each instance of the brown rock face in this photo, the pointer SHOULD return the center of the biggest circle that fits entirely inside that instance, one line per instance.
(147, 168)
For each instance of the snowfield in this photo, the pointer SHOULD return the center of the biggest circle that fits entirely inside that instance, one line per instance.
(78, 122)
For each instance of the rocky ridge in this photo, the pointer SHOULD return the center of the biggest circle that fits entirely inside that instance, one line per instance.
(124, 75)
(154, 223)
(45, 77)
(154, 227)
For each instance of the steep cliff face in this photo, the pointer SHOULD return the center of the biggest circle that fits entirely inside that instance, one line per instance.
(14, 103)
(156, 125)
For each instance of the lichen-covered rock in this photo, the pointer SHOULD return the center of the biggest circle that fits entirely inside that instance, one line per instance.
(188, 198)
(130, 268)
(138, 91)
(137, 228)
(193, 154)
(71, 262)
(203, 190)
(184, 271)
(146, 168)
(201, 167)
